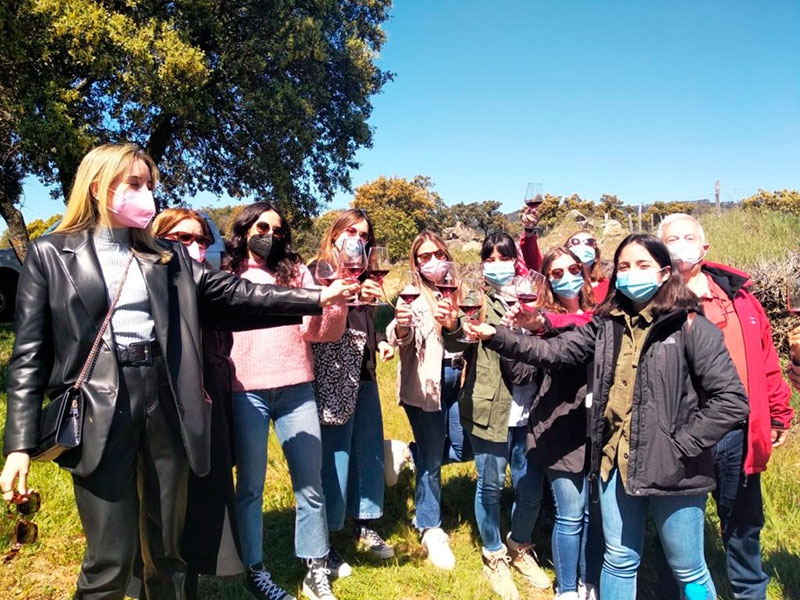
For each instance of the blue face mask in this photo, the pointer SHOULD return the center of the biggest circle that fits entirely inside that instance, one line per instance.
(585, 253)
(639, 285)
(499, 272)
(569, 286)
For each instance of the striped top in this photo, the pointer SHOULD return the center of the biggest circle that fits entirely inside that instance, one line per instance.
(132, 320)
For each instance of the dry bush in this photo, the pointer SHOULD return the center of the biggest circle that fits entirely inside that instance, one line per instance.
(770, 277)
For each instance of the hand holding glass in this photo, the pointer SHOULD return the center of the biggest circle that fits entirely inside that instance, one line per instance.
(470, 301)
(378, 266)
(353, 262)
(409, 290)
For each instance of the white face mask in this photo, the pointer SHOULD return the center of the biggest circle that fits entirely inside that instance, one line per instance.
(686, 253)
(196, 251)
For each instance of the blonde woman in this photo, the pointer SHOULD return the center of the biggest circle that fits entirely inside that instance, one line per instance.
(146, 415)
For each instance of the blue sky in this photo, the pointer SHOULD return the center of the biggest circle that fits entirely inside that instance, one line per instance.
(646, 100)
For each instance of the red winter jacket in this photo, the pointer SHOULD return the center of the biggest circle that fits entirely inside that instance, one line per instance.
(769, 393)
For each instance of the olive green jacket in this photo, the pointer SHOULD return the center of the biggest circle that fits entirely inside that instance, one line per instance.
(485, 398)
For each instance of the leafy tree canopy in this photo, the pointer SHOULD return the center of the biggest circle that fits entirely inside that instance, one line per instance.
(782, 200)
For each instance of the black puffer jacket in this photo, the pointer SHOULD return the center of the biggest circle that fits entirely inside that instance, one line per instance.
(687, 395)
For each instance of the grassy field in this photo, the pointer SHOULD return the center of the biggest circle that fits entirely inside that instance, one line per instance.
(48, 569)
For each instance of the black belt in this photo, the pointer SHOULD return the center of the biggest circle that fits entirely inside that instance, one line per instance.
(139, 354)
(456, 362)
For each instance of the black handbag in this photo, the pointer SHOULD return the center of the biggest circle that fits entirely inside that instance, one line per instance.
(61, 421)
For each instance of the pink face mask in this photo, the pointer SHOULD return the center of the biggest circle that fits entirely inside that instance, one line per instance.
(433, 270)
(196, 251)
(133, 208)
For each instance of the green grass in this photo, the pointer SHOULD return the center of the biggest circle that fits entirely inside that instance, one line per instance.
(48, 569)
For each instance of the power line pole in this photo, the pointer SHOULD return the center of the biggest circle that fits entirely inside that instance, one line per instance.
(716, 197)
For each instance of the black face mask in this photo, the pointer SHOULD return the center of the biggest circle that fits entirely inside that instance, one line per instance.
(260, 245)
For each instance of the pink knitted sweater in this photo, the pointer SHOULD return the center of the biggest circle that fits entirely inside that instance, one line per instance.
(279, 356)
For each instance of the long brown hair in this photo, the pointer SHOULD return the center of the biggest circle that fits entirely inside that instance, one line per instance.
(673, 293)
(100, 170)
(596, 271)
(548, 299)
(345, 219)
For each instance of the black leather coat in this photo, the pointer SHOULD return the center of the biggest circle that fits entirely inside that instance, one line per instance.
(61, 303)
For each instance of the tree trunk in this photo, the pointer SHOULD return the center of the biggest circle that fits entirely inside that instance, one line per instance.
(17, 231)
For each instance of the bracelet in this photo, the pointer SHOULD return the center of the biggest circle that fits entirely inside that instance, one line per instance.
(534, 230)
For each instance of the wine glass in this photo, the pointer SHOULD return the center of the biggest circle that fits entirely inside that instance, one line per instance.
(378, 266)
(533, 195)
(448, 284)
(529, 287)
(793, 295)
(410, 290)
(325, 273)
(470, 301)
(353, 263)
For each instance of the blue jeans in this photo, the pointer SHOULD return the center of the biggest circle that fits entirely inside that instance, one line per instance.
(571, 494)
(679, 521)
(457, 447)
(491, 459)
(293, 408)
(352, 461)
(741, 515)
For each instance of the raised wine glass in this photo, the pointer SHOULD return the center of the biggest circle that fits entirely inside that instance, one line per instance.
(378, 266)
(533, 195)
(470, 301)
(325, 273)
(409, 290)
(353, 263)
(448, 284)
(529, 287)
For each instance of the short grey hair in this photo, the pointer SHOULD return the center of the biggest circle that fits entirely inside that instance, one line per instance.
(679, 217)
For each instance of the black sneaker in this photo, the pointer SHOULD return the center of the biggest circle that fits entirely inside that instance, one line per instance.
(372, 542)
(258, 582)
(316, 585)
(338, 567)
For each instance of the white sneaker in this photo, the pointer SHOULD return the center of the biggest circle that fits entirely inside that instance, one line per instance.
(435, 542)
(395, 456)
(587, 591)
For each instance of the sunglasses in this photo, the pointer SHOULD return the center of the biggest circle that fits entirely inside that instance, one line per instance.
(557, 274)
(264, 228)
(353, 232)
(424, 257)
(25, 532)
(591, 242)
(187, 239)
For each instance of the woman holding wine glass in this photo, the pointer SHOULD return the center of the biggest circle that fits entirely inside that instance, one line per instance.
(494, 402)
(428, 383)
(273, 382)
(352, 466)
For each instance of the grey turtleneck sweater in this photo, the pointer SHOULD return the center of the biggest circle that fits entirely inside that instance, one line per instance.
(132, 320)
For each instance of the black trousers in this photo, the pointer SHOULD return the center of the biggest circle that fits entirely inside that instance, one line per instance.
(137, 494)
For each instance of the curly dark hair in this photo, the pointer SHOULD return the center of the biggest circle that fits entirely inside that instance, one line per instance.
(282, 264)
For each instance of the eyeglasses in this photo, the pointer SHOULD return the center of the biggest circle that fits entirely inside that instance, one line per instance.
(424, 257)
(557, 274)
(25, 532)
(591, 242)
(353, 232)
(264, 228)
(187, 239)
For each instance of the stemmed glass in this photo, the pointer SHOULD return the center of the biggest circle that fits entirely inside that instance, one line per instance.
(793, 295)
(533, 195)
(353, 262)
(470, 301)
(378, 266)
(325, 272)
(447, 284)
(409, 290)
(529, 287)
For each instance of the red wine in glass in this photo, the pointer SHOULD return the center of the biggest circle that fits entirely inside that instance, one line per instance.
(470, 309)
(446, 289)
(534, 202)
(353, 270)
(527, 298)
(409, 297)
(378, 274)
(326, 281)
